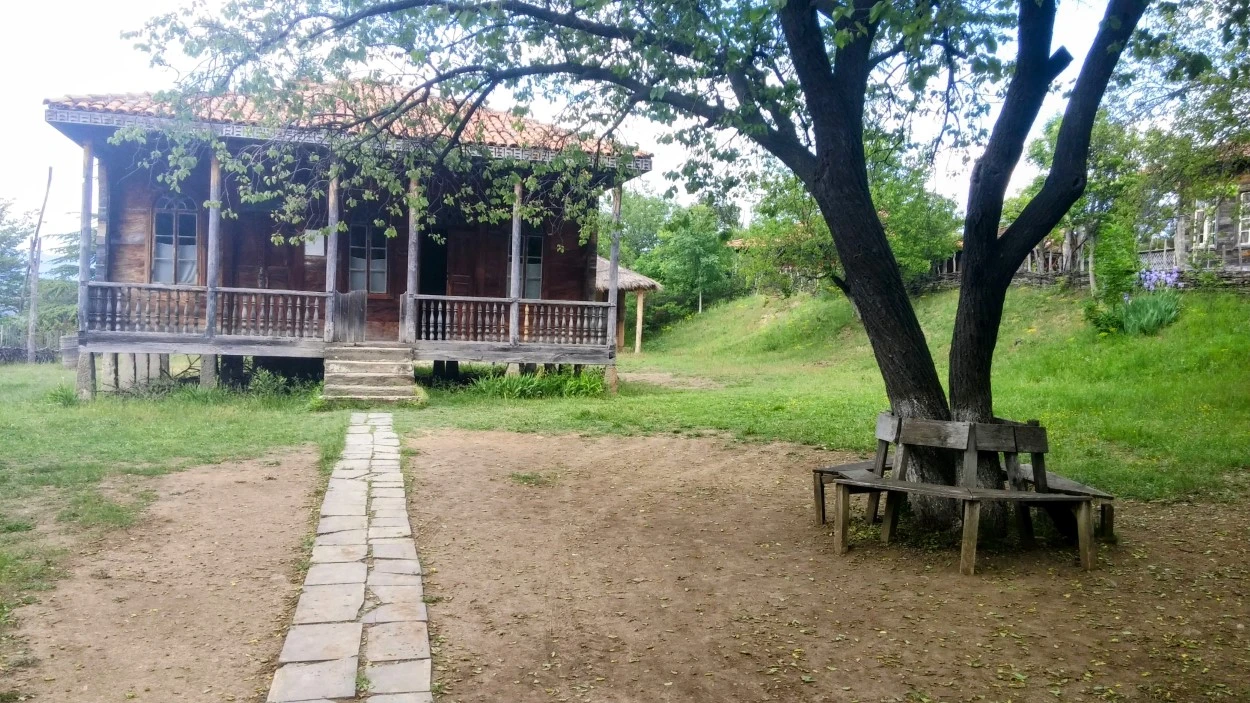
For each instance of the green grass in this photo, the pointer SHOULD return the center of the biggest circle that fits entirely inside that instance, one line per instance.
(63, 463)
(1165, 416)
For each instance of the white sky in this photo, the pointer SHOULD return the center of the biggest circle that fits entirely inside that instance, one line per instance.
(52, 49)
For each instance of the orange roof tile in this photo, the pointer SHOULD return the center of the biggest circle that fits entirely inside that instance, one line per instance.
(487, 127)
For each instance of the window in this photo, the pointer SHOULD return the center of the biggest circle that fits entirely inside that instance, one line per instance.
(1204, 226)
(366, 269)
(531, 268)
(175, 244)
(1243, 222)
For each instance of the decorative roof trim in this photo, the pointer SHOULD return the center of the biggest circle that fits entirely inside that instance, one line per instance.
(639, 164)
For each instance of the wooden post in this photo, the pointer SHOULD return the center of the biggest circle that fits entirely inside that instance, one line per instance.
(968, 552)
(514, 307)
(332, 255)
(407, 333)
(208, 362)
(85, 381)
(613, 284)
(640, 297)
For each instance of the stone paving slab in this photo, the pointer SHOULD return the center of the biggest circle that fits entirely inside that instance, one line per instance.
(343, 572)
(342, 627)
(399, 677)
(330, 553)
(304, 682)
(393, 549)
(311, 643)
(331, 603)
(397, 641)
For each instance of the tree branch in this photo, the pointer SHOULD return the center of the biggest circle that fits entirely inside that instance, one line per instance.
(1065, 183)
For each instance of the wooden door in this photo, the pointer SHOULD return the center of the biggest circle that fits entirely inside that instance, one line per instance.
(477, 263)
(350, 315)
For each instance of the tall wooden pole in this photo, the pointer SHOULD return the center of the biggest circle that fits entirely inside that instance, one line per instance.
(641, 297)
(514, 308)
(36, 245)
(613, 292)
(208, 362)
(408, 333)
(332, 256)
(85, 381)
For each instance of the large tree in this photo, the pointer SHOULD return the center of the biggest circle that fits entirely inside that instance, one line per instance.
(800, 79)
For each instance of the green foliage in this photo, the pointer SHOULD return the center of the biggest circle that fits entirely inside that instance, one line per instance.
(63, 395)
(548, 385)
(15, 230)
(643, 215)
(1150, 312)
(789, 247)
(692, 262)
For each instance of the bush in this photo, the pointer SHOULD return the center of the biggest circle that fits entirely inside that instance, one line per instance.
(1149, 313)
(63, 395)
(555, 385)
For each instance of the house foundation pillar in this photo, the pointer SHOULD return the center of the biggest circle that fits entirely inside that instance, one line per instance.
(208, 371)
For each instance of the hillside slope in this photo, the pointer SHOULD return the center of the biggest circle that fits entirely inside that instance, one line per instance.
(1144, 416)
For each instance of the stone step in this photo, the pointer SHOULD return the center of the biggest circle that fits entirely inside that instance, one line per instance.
(362, 391)
(368, 379)
(362, 366)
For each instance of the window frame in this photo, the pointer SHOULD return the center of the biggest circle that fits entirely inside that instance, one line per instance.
(369, 232)
(1243, 218)
(177, 208)
(538, 242)
(1204, 226)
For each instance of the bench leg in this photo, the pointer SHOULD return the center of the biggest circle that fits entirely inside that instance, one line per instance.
(1085, 534)
(968, 553)
(1106, 527)
(1024, 524)
(841, 517)
(874, 499)
(818, 497)
(889, 523)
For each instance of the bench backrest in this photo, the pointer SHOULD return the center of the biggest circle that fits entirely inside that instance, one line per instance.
(1007, 438)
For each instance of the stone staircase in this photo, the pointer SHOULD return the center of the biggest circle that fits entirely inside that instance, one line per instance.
(370, 372)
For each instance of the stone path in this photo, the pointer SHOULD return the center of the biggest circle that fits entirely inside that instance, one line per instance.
(360, 625)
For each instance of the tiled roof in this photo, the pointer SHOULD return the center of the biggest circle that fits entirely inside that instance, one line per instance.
(487, 127)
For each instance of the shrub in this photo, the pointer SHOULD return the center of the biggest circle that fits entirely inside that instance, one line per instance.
(265, 383)
(63, 395)
(555, 385)
(1147, 314)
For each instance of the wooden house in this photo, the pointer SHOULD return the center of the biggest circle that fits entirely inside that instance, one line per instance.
(172, 275)
(1209, 233)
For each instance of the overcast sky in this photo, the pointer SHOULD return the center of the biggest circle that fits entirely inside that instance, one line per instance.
(65, 47)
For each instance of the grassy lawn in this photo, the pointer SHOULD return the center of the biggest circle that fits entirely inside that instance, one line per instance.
(66, 468)
(1144, 417)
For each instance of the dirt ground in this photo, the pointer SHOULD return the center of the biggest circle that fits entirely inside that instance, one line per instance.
(188, 605)
(671, 569)
(668, 380)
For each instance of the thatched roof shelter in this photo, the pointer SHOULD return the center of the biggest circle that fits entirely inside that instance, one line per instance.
(626, 280)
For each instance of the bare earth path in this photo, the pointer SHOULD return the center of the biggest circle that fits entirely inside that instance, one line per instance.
(668, 569)
(190, 604)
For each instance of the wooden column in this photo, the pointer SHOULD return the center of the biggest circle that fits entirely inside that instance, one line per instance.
(85, 381)
(614, 265)
(208, 362)
(641, 298)
(514, 307)
(407, 332)
(332, 255)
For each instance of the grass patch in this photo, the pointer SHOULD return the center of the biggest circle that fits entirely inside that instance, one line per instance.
(56, 451)
(531, 479)
(1151, 417)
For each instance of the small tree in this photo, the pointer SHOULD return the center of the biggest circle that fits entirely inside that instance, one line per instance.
(692, 261)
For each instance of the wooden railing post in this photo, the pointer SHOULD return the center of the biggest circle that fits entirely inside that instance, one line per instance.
(85, 381)
(407, 332)
(332, 255)
(514, 308)
(613, 284)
